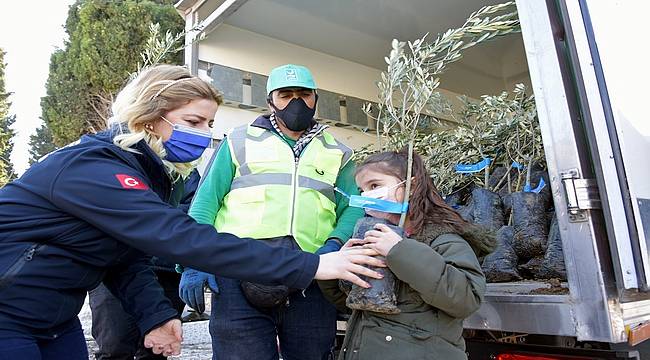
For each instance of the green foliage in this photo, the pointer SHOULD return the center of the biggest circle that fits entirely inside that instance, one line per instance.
(40, 144)
(408, 88)
(4, 104)
(504, 128)
(65, 107)
(105, 41)
(6, 132)
(408, 96)
(159, 46)
(7, 172)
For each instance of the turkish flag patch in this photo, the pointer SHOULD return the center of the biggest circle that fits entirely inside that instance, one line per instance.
(131, 182)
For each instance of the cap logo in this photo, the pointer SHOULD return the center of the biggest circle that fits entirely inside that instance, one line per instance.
(291, 74)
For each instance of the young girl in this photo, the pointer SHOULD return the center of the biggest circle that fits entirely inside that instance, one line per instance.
(440, 282)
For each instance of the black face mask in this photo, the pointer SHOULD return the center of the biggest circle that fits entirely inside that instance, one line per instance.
(296, 116)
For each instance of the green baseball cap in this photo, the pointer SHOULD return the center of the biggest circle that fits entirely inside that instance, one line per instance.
(290, 75)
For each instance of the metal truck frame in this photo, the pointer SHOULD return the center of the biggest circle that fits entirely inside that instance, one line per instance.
(603, 241)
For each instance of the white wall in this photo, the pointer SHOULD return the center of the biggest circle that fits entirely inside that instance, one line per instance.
(353, 138)
(249, 51)
(229, 117)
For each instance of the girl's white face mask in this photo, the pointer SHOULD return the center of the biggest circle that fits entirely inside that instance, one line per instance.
(374, 200)
(382, 192)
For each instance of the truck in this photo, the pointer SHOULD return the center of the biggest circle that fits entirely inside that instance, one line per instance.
(594, 144)
(585, 64)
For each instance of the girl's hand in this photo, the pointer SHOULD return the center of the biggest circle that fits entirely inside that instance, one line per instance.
(382, 239)
(353, 244)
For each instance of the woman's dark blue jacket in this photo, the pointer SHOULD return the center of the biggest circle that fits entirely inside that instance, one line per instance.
(89, 213)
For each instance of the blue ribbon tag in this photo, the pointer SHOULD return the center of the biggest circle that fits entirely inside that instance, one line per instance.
(540, 186)
(517, 165)
(536, 190)
(473, 168)
(375, 204)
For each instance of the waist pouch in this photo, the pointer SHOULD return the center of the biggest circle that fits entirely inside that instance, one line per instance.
(268, 296)
(265, 296)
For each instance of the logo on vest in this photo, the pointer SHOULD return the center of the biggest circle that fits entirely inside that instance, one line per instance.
(131, 182)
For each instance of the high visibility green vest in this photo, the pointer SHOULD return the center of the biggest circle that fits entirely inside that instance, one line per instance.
(273, 195)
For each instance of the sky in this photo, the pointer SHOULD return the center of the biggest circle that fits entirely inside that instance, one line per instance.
(29, 38)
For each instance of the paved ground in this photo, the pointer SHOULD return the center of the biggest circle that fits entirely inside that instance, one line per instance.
(196, 336)
(196, 344)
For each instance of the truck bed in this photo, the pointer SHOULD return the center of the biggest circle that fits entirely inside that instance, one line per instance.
(534, 307)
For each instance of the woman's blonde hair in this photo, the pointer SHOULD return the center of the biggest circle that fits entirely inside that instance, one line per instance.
(150, 95)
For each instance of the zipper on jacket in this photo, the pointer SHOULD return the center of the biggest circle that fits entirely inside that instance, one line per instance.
(294, 180)
(295, 174)
(28, 255)
(171, 193)
(293, 201)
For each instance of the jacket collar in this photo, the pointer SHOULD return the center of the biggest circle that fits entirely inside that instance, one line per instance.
(263, 122)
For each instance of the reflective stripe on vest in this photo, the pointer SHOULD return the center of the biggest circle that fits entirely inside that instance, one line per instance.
(272, 196)
(283, 179)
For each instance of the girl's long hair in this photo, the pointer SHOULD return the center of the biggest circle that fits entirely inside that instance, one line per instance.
(150, 95)
(426, 206)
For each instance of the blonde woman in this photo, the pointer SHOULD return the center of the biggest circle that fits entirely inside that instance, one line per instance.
(89, 212)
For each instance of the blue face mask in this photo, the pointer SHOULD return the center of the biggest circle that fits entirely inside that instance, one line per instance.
(185, 143)
(370, 203)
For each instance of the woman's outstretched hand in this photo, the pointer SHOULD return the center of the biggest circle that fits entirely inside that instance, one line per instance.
(347, 265)
(165, 339)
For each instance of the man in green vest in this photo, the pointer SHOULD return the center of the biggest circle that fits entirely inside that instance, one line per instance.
(274, 180)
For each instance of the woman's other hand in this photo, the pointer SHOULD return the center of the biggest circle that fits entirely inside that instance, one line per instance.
(165, 339)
